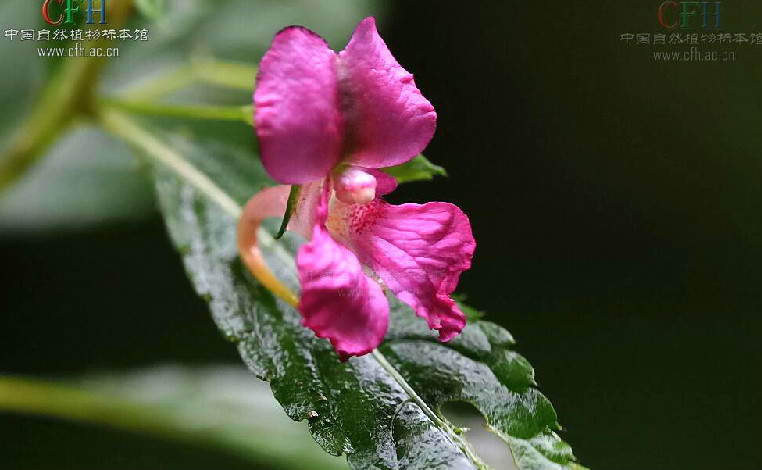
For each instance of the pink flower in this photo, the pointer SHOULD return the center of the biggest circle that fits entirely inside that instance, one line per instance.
(328, 121)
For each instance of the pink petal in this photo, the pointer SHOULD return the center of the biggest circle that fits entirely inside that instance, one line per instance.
(418, 251)
(391, 122)
(338, 300)
(297, 119)
(385, 183)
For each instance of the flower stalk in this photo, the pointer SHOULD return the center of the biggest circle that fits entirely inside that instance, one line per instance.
(211, 113)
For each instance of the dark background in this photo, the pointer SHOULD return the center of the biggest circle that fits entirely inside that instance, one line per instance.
(616, 203)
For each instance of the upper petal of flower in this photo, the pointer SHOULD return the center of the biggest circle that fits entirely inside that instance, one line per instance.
(418, 251)
(297, 118)
(338, 300)
(388, 120)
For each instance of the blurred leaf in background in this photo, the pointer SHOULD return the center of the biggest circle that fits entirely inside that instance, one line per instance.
(223, 407)
(72, 189)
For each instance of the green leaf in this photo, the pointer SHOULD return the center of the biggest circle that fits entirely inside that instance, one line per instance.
(417, 169)
(382, 409)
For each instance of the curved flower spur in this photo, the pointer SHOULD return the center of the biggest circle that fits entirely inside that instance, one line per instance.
(328, 122)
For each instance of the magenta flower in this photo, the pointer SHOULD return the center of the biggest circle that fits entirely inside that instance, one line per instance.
(328, 122)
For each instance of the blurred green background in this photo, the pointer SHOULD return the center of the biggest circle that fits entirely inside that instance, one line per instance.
(615, 200)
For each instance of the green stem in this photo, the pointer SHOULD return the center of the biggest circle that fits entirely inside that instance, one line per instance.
(38, 397)
(216, 113)
(162, 418)
(67, 95)
(205, 70)
(226, 74)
